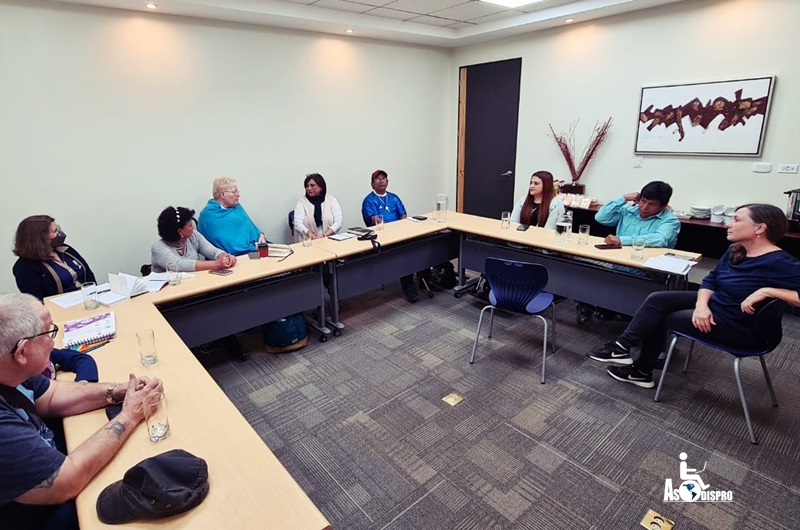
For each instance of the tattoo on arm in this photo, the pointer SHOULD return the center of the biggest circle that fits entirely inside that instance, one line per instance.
(116, 427)
(49, 481)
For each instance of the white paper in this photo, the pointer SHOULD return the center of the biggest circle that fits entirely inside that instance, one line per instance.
(341, 237)
(669, 264)
(68, 300)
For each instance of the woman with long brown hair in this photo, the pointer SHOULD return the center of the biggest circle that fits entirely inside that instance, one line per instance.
(46, 265)
(540, 207)
(752, 270)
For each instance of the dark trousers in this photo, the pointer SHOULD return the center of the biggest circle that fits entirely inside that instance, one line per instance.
(666, 310)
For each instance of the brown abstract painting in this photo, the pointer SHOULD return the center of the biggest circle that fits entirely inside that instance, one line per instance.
(722, 118)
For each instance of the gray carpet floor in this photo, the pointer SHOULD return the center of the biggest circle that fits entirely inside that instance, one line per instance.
(360, 424)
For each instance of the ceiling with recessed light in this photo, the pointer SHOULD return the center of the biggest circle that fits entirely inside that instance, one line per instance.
(445, 23)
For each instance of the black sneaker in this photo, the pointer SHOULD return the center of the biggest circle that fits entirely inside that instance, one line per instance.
(612, 353)
(632, 375)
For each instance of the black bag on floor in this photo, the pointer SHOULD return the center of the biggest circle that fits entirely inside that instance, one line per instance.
(444, 275)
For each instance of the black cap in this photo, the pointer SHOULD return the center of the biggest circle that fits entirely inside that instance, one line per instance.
(160, 486)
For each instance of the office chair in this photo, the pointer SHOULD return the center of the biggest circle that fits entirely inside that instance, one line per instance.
(291, 222)
(517, 287)
(768, 320)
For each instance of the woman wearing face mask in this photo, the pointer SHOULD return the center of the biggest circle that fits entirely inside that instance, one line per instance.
(46, 265)
(317, 213)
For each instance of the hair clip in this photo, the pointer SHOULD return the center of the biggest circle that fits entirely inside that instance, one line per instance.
(177, 215)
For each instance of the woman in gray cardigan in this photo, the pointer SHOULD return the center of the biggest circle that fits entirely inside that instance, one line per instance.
(181, 242)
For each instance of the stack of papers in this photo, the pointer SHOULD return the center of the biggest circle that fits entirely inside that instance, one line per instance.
(670, 264)
(124, 286)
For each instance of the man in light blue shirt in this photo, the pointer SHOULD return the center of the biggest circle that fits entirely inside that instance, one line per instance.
(648, 216)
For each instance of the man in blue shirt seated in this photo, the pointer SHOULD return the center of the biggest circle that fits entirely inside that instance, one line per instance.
(644, 214)
(388, 205)
(38, 480)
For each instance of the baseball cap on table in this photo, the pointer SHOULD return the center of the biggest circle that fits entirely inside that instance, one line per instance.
(157, 487)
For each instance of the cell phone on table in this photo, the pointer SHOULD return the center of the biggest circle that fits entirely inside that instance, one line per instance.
(606, 246)
(221, 272)
(522, 227)
(419, 217)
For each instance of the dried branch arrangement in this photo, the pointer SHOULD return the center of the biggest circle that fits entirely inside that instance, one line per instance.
(566, 143)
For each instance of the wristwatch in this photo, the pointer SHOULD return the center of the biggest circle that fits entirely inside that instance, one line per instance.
(110, 394)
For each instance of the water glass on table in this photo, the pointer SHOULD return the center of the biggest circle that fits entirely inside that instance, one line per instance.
(307, 239)
(378, 222)
(147, 347)
(583, 234)
(638, 248)
(173, 274)
(156, 416)
(89, 292)
(505, 220)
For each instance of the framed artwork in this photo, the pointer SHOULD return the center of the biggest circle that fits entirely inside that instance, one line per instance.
(722, 118)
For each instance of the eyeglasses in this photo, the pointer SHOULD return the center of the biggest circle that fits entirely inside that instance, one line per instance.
(235, 192)
(380, 179)
(51, 333)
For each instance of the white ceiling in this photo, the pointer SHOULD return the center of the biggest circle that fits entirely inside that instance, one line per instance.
(446, 23)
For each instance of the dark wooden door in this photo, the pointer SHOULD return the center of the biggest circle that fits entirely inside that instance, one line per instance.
(488, 119)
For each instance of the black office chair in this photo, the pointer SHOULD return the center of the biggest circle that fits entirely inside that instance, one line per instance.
(291, 222)
(768, 320)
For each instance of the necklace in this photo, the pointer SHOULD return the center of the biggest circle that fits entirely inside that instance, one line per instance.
(384, 202)
(181, 248)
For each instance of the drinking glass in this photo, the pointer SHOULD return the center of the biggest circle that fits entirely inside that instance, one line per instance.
(441, 208)
(505, 220)
(147, 347)
(638, 248)
(156, 417)
(307, 239)
(173, 273)
(89, 292)
(583, 234)
(378, 222)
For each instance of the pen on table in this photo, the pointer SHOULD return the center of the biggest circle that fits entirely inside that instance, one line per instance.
(104, 291)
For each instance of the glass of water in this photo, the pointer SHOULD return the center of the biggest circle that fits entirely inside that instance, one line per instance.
(638, 248)
(156, 417)
(89, 291)
(378, 222)
(505, 220)
(583, 234)
(173, 273)
(147, 347)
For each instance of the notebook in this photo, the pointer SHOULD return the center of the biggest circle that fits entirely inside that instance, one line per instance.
(90, 330)
(674, 265)
(124, 286)
(276, 250)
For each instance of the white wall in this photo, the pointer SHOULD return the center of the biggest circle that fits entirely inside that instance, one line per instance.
(591, 71)
(108, 116)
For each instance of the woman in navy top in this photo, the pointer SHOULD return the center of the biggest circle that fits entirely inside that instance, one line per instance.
(753, 270)
(46, 266)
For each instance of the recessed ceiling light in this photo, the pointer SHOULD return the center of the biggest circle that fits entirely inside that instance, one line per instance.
(151, 5)
(511, 3)
(348, 31)
(569, 21)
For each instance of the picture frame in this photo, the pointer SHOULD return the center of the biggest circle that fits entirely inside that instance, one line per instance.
(719, 118)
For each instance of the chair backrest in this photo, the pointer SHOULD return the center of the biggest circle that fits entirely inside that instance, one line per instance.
(291, 222)
(769, 319)
(515, 283)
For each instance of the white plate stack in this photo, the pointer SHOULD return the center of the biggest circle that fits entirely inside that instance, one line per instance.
(701, 211)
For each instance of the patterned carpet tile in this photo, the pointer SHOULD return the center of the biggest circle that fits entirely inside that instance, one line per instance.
(360, 423)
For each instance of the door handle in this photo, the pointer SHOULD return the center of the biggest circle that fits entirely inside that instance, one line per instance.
(507, 173)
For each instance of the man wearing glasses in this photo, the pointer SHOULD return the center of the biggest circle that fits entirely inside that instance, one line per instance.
(390, 208)
(225, 223)
(38, 481)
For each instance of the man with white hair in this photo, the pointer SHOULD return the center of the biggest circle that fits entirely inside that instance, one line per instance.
(38, 481)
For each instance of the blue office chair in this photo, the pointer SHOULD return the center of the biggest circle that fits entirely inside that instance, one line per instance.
(768, 321)
(518, 287)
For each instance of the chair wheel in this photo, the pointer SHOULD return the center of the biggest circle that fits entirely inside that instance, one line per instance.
(583, 316)
(430, 294)
(323, 338)
(337, 333)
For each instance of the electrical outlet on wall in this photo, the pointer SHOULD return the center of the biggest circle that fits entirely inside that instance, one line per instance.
(762, 167)
(787, 168)
(638, 162)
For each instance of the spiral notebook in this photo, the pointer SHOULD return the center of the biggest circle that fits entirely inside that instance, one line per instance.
(90, 330)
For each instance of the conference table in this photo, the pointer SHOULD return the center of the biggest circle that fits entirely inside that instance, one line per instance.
(248, 485)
